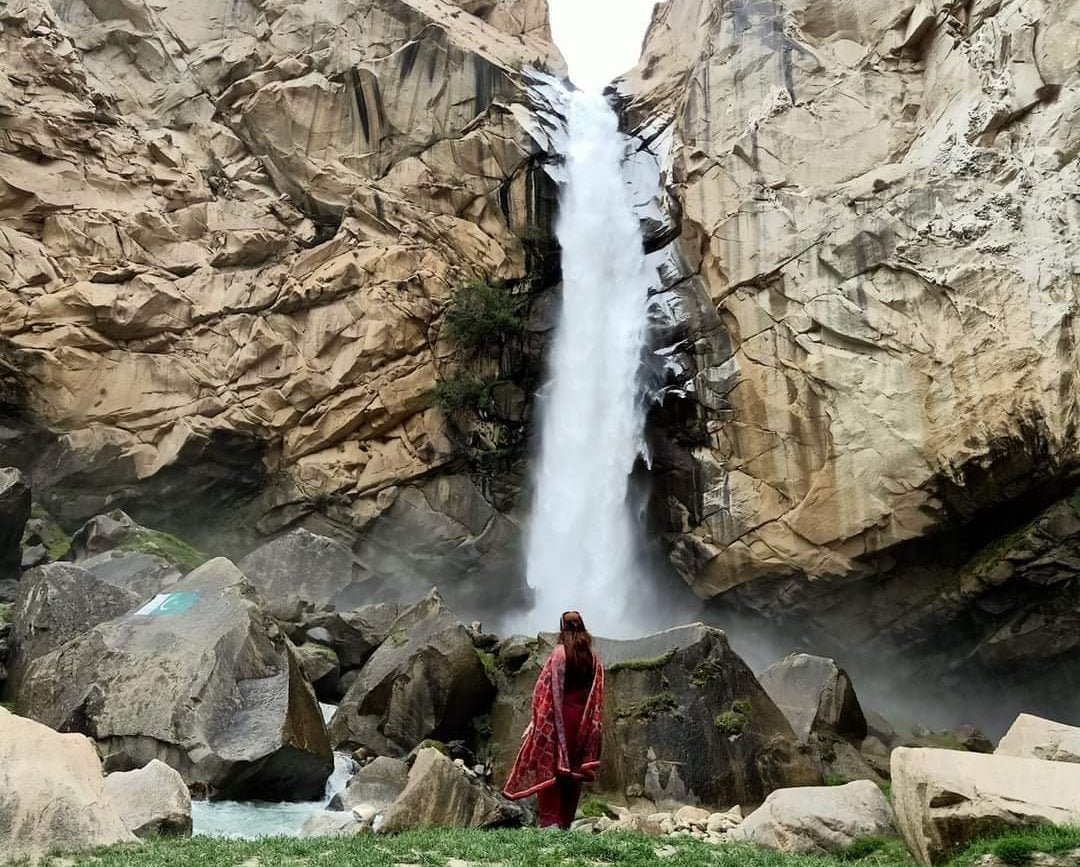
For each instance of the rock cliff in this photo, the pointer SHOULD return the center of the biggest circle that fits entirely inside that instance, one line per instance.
(868, 309)
(228, 235)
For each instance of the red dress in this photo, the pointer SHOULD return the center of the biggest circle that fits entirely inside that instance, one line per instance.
(561, 747)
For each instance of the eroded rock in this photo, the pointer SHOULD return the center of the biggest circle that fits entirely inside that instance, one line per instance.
(153, 800)
(1034, 737)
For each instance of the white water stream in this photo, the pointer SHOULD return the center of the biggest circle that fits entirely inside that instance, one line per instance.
(583, 547)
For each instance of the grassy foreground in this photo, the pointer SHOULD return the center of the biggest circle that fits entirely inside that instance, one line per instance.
(533, 848)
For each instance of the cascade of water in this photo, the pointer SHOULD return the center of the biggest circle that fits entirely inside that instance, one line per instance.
(582, 544)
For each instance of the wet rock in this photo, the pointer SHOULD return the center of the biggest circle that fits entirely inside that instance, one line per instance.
(355, 634)
(318, 569)
(153, 801)
(439, 794)
(328, 823)
(818, 819)
(144, 575)
(944, 799)
(52, 792)
(56, 603)
(14, 513)
(377, 784)
(1034, 737)
(321, 669)
(816, 696)
(425, 680)
(257, 731)
(671, 698)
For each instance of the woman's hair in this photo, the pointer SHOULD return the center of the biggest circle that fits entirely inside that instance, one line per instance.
(578, 643)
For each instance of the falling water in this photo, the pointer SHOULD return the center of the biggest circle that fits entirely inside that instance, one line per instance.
(582, 547)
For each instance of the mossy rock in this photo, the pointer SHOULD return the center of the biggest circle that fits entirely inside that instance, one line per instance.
(163, 545)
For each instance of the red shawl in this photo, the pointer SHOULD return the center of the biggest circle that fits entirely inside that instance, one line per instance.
(543, 755)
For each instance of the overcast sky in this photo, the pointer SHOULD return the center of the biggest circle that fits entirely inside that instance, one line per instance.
(600, 39)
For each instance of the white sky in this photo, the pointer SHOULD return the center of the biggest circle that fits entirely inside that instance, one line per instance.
(600, 39)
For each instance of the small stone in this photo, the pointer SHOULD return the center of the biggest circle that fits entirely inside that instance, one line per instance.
(320, 635)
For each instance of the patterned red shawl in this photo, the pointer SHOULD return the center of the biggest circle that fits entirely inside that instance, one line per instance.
(543, 755)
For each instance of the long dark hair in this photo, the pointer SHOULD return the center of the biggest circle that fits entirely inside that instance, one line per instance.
(578, 643)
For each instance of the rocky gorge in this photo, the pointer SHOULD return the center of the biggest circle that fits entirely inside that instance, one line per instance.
(278, 289)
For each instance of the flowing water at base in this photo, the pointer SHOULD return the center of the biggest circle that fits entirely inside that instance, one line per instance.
(249, 820)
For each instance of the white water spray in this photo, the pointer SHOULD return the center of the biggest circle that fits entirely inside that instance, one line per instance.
(583, 546)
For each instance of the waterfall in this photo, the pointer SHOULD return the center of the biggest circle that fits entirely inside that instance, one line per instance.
(583, 542)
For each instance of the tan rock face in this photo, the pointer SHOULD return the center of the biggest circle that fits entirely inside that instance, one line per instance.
(227, 235)
(874, 283)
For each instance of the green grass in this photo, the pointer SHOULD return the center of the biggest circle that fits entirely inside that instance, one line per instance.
(56, 541)
(644, 664)
(593, 807)
(7, 613)
(1017, 847)
(166, 546)
(532, 848)
(656, 705)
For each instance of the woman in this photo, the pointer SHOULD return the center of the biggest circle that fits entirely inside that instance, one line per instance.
(561, 747)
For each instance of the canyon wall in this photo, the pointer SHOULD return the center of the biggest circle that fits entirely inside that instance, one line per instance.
(228, 235)
(868, 315)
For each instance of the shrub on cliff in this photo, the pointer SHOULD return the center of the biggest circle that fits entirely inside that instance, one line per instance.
(482, 314)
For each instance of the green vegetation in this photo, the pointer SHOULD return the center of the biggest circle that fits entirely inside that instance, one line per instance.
(490, 663)
(529, 848)
(705, 672)
(483, 314)
(1016, 847)
(593, 807)
(646, 664)
(655, 705)
(57, 543)
(7, 613)
(166, 546)
(743, 706)
(463, 393)
(733, 722)
(8, 706)
(835, 780)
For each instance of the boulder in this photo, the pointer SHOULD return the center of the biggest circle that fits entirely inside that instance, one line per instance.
(440, 794)
(816, 696)
(328, 823)
(355, 634)
(426, 680)
(317, 569)
(1037, 738)
(818, 819)
(119, 532)
(944, 799)
(57, 602)
(153, 800)
(14, 513)
(52, 792)
(320, 666)
(255, 730)
(377, 784)
(143, 574)
(670, 699)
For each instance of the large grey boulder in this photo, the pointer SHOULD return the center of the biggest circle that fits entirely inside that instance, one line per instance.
(14, 513)
(330, 823)
(153, 801)
(672, 699)
(944, 799)
(818, 819)
(377, 784)
(317, 569)
(356, 634)
(57, 602)
(140, 573)
(200, 678)
(118, 532)
(442, 794)
(1037, 738)
(52, 792)
(426, 680)
(816, 696)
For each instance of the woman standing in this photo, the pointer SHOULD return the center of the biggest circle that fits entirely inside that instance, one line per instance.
(561, 747)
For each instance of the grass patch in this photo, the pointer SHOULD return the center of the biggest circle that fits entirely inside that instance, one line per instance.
(706, 672)
(730, 723)
(593, 807)
(164, 545)
(653, 706)
(7, 613)
(482, 314)
(835, 780)
(490, 663)
(652, 663)
(523, 848)
(1017, 847)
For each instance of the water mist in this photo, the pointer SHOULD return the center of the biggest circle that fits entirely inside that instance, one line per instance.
(583, 546)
